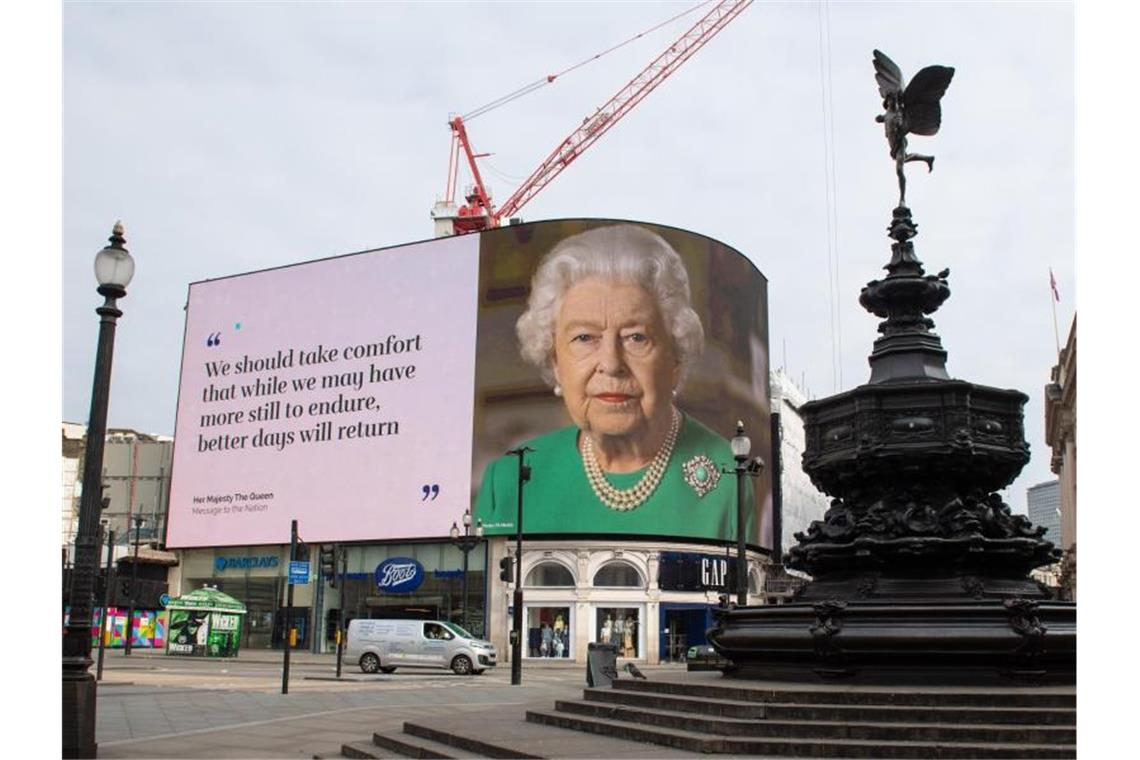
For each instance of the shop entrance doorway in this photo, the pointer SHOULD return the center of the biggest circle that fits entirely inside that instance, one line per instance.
(683, 626)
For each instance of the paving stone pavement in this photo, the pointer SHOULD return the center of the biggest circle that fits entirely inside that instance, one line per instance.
(154, 706)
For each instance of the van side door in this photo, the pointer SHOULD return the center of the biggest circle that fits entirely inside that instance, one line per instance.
(400, 642)
(436, 644)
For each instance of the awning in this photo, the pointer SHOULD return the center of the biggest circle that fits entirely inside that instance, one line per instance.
(208, 599)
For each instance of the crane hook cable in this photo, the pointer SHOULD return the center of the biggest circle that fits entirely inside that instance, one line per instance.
(548, 79)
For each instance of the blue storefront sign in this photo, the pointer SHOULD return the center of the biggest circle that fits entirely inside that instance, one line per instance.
(221, 564)
(399, 575)
(299, 572)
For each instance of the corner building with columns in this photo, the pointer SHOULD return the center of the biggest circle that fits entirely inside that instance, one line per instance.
(635, 556)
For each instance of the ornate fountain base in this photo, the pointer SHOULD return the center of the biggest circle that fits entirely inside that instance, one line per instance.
(867, 629)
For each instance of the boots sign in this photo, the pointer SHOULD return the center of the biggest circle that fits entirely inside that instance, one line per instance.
(399, 575)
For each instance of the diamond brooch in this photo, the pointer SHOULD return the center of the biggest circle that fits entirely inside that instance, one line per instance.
(701, 473)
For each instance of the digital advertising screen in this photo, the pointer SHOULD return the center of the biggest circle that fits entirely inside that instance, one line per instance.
(616, 357)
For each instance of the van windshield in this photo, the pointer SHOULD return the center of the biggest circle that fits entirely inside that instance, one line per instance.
(458, 630)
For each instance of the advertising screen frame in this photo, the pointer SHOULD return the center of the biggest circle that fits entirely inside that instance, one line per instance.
(493, 270)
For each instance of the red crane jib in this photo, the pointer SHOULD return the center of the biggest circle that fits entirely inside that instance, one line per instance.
(479, 213)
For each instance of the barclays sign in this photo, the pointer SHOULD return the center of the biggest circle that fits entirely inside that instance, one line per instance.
(221, 564)
(399, 575)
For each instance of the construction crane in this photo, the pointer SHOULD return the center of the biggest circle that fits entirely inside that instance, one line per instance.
(479, 213)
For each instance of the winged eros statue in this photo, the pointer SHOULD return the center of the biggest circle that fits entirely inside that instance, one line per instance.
(913, 109)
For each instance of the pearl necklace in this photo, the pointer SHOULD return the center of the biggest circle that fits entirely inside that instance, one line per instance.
(624, 500)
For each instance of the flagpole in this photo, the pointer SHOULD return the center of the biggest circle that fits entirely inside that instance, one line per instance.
(1053, 298)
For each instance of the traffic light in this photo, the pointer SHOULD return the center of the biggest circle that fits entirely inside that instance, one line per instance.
(328, 564)
(506, 569)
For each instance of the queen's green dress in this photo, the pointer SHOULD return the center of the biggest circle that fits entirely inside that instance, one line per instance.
(693, 500)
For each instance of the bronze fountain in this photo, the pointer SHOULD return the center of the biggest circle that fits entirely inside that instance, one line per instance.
(920, 572)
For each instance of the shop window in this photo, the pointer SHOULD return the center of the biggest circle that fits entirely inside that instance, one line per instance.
(621, 627)
(548, 631)
(549, 574)
(618, 574)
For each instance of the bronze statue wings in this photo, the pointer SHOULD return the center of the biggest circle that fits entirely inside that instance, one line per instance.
(918, 102)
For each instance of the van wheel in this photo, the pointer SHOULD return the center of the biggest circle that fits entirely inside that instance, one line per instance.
(461, 665)
(369, 662)
(388, 669)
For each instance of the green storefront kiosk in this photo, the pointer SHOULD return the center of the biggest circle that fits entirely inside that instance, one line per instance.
(204, 623)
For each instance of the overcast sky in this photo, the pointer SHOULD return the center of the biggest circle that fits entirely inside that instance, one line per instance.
(236, 136)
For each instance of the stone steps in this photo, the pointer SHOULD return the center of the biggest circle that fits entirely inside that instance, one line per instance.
(407, 744)
(1036, 698)
(657, 718)
(823, 729)
(363, 751)
(704, 743)
(733, 708)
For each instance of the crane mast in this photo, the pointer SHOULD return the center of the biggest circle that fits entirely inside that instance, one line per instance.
(479, 213)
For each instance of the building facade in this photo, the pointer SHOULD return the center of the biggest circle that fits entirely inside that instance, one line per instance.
(136, 480)
(1061, 436)
(797, 501)
(801, 502)
(1044, 506)
(635, 558)
(653, 599)
(657, 597)
(136, 483)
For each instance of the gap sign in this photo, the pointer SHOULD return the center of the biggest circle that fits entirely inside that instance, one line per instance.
(685, 571)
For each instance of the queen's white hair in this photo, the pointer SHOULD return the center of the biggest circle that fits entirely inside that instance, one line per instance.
(623, 253)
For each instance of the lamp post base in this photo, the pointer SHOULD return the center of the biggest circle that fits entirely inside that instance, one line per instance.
(79, 717)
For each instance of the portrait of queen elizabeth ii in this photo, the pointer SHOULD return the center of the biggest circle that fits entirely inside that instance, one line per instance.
(609, 326)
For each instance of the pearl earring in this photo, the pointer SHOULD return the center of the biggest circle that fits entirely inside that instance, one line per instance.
(558, 390)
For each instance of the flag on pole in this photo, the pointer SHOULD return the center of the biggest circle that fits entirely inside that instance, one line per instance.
(1053, 303)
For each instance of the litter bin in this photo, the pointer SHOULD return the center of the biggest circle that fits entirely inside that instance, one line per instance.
(601, 664)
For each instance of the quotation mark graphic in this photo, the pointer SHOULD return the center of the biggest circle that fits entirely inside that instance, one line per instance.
(430, 490)
(214, 339)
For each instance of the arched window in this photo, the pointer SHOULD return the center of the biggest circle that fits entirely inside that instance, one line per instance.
(549, 574)
(618, 574)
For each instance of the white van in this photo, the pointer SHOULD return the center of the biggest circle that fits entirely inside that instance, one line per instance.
(384, 645)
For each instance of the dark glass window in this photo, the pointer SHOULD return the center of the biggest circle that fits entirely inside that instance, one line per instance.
(549, 574)
(618, 574)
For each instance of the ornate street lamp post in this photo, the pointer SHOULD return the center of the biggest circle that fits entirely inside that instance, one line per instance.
(138, 520)
(114, 268)
(465, 544)
(741, 446)
(745, 467)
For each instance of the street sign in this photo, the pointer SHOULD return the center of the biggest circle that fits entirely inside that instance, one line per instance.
(299, 572)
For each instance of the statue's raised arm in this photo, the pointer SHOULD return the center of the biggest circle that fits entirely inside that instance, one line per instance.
(909, 109)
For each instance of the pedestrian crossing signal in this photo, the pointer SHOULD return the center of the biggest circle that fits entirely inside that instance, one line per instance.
(328, 564)
(506, 569)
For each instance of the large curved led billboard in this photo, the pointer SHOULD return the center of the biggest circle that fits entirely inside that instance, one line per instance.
(374, 396)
